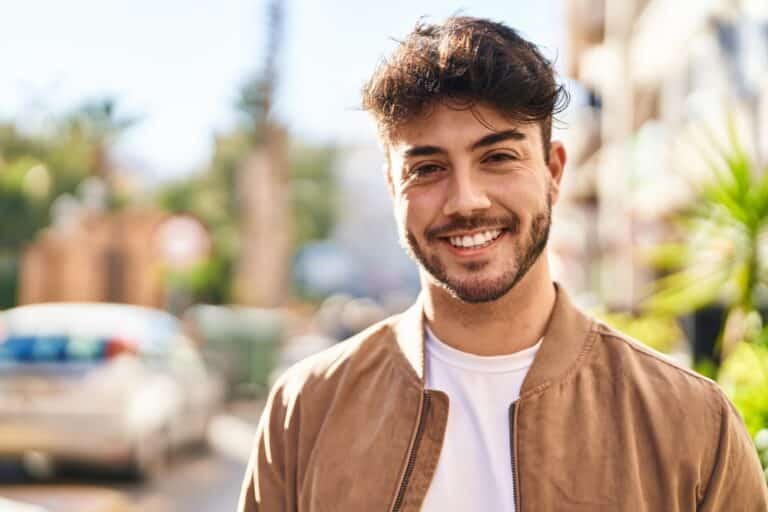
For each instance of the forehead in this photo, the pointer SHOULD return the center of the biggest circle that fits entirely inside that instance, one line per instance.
(452, 128)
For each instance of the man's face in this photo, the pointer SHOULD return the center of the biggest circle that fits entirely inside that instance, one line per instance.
(473, 199)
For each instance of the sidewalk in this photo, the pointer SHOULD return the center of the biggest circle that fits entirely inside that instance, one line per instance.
(231, 432)
(62, 498)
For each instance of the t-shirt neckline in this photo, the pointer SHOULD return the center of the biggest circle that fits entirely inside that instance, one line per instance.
(516, 361)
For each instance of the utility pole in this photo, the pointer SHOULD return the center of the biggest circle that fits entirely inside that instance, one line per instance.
(262, 277)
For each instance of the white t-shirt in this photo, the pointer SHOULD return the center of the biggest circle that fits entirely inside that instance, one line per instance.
(474, 471)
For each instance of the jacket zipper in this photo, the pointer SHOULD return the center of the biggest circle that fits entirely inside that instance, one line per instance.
(412, 455)
(512, 423)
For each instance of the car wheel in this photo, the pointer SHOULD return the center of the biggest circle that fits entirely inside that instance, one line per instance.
(38, 466)
(152, 456)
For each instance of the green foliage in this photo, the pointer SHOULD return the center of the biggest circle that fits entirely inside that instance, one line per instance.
(98, 120)
(761, 443)
(706, 367)
(660, 332)
(37, 167)
(314, 195)
(253, 102)
(8, 279)
(744, 377)
(24, 201)
(34, 170)
(206, 282)
(721, 260)
(212, 196)
(720, 257)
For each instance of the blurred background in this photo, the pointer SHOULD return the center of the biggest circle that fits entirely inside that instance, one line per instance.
(191, 200)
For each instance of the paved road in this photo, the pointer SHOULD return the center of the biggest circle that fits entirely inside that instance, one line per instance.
(209, 483)
(203, 481)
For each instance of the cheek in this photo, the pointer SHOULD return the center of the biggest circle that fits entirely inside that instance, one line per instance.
(417, 210)
(402, 207)
(524, 197)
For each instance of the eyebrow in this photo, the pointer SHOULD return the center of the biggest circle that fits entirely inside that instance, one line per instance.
(422, 151)
(497, 137)
(488, 140)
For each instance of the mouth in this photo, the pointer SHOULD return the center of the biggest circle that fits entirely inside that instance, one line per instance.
(473, 243)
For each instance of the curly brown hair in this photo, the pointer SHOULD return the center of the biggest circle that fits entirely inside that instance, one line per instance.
(460, 63)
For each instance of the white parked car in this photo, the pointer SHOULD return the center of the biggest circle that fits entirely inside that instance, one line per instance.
(111, 384)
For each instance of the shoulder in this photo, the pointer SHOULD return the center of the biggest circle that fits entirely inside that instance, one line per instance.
(665, 385)
(321, 373)
(689, 416)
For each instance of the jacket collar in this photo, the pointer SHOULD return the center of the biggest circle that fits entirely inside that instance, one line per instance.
(568, 337)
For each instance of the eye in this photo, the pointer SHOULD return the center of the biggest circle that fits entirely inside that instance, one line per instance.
(499, 157)
(421, 171)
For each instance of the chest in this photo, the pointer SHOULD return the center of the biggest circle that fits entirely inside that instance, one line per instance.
(563, 450)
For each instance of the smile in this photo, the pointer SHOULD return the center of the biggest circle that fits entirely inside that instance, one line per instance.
(474, 241)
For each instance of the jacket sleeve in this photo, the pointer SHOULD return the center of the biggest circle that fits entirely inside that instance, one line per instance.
(268, 484)
(737, 481)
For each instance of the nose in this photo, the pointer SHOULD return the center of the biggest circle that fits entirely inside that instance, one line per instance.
(466, 196)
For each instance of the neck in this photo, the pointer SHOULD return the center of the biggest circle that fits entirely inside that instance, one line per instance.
(509, 324)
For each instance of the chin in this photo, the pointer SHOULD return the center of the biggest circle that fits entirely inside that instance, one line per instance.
(477, 291)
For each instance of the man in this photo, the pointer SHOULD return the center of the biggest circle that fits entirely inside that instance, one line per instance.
(493, 392)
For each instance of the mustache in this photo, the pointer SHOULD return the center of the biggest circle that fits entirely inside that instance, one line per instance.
(510, 223)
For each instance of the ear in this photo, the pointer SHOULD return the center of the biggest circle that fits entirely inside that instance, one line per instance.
(556, 165)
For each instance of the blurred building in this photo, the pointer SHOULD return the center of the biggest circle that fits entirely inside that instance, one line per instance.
(653, 73)
(366, 226)
(111, 257)
(363, 256)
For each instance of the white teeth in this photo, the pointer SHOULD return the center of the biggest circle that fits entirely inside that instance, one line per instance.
(475, 240)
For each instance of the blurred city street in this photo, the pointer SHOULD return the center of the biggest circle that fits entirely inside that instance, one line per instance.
(177, 231)
(196, 480)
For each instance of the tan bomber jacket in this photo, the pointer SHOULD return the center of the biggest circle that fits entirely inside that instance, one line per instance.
(602, 424)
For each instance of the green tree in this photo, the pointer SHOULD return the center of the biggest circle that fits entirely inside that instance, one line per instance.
(100, 124)
(38, 167)
(213, 198)
(314, 198)
(721, 257)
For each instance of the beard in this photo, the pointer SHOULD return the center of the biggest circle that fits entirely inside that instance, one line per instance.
(475, 289)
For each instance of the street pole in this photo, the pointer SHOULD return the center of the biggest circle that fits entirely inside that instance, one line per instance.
(262, 278)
